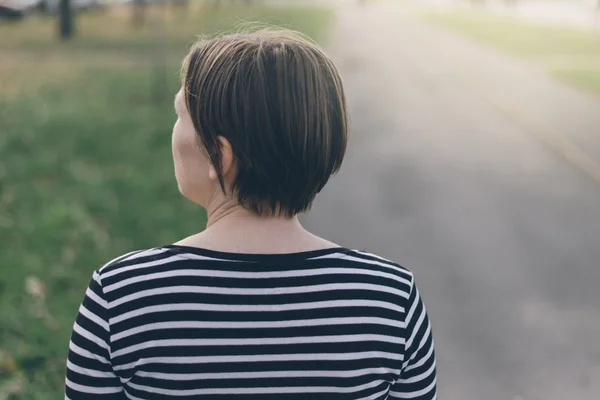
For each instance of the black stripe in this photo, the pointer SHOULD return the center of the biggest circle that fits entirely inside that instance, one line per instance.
(252, 333)
(217, 282)
(273, 300)
(385, 367)
(283, 349)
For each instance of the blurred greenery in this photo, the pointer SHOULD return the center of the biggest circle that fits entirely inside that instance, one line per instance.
(85, 169)
(570, 54)
(181, 26)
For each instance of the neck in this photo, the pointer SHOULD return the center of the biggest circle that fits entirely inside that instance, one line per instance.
(235, 216)
(232, 228)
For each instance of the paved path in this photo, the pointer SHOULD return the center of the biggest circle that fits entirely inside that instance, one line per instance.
(447, 174)
(571, 13)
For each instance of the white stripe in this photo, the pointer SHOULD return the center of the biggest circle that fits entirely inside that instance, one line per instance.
(94, 297)
(123, 257)
(268, 374)
(85, 353)
(90, 336)
(376, 395)
(332, 256)
(251, 275)
(96, 278)
(89, 372)
(258, 307)
(255, 324)
(93, 317)
(148, 264)
(422, 360)
(175, 257)
(205, 258)
(421, 344)
(261, 358)
(256, 390)
(92, 389)
(412, 309)
(420, 377)
(364, 253)
(397, 269)
(256, 292)
(132, 397)
(416, 328)
(383, 263)
(411, 395)
(255, 342)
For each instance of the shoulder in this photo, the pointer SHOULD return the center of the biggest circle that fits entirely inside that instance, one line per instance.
(374, 259)
(385, 266)
(136, 259)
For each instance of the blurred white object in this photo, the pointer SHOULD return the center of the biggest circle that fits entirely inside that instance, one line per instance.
(50, 5)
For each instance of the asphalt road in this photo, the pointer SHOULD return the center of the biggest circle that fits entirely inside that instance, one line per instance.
(446, 174)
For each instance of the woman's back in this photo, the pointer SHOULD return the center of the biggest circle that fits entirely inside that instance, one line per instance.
(261, 127)
(182, 322)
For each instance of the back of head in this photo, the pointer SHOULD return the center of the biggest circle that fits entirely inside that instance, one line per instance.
(278, 99)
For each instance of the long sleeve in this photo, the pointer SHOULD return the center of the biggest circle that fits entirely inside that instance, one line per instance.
(89, 371)
(418, 376)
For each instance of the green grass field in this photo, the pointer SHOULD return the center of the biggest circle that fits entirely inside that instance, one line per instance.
(86, 171)
(569, 54)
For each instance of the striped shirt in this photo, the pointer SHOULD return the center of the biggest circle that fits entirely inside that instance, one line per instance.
(178, 322)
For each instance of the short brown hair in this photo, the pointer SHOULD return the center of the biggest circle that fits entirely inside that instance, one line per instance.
(278, 99)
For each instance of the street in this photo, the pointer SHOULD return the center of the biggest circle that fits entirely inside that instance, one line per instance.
(456, 169)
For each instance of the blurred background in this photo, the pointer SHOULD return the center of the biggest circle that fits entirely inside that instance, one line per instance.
(474, 161)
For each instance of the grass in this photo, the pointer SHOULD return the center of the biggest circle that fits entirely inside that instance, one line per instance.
(570, 54)
(31, 55)
(86, 171)
(181, 25)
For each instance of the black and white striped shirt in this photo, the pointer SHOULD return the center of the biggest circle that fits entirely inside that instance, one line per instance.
(186, 323)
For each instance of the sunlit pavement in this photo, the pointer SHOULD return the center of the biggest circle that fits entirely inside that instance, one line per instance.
(450, 174)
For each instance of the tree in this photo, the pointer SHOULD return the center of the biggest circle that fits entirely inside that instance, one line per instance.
(139, 13)
(66, 20)
(182, 4)
(161, 87)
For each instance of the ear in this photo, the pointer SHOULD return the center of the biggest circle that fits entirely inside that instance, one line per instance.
(227, 160)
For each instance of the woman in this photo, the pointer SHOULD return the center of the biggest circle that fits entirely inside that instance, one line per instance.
(254, 306)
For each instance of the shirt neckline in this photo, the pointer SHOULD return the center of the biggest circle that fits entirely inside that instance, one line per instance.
(182, 251)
